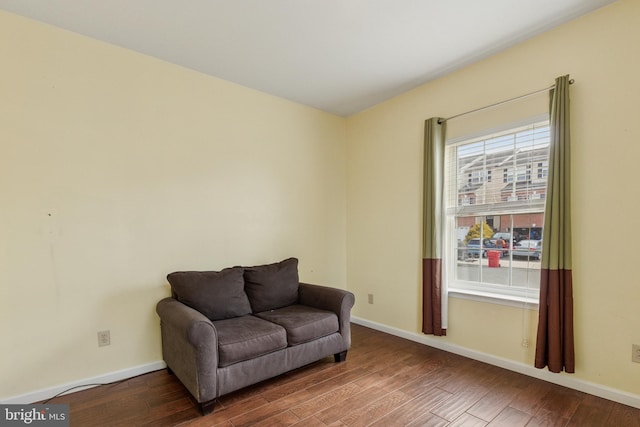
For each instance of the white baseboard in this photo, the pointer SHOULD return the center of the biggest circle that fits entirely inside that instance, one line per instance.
(565, 380)
(40, 395)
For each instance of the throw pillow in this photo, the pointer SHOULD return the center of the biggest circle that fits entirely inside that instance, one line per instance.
(216, 294)
(272, 286)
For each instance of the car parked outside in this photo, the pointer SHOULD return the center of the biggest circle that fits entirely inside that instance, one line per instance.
(474, 250)
(528, 248)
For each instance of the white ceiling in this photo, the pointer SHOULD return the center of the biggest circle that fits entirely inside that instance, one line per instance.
(341, 56)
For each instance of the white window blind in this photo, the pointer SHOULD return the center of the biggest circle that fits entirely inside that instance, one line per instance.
(501, 173)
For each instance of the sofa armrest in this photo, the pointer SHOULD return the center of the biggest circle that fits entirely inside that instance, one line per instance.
(336, 300)
(189, 347)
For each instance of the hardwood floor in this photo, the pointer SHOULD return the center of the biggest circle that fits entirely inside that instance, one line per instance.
(386, 381)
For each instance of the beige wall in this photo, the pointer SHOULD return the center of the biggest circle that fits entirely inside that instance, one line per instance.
(602, 52)
(116, 169)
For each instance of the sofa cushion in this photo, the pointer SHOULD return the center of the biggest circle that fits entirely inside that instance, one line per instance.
(272, 286)
(216, 294)
(247, 337)
(302, 323)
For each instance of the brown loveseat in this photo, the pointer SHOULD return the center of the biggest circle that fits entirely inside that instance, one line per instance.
(224, 330)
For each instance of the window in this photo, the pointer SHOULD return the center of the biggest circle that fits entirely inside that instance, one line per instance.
(543, 169)
(494, 228)
(479, 176)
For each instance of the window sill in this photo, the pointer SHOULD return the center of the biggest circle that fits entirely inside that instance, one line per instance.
(494, 298)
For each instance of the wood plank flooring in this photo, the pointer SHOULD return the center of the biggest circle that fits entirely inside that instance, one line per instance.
(386, 381)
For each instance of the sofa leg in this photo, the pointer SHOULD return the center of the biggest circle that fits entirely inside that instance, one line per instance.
(340, 357)
(206, 407)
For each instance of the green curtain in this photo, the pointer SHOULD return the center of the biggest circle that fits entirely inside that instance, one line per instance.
(433, 227)
(555, 342)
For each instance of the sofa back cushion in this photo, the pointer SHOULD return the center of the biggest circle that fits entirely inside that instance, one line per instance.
(272, 286)
(216, 294)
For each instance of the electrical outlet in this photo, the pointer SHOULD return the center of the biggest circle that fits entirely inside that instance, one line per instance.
(370, 298)
(525, 343)
(635, 353)
(104, 338)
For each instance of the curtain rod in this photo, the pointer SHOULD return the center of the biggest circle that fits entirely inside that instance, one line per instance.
(440, 121)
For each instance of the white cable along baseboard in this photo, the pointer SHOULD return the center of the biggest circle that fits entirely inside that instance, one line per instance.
(40, 395)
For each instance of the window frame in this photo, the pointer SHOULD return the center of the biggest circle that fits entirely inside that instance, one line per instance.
(488, 292)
